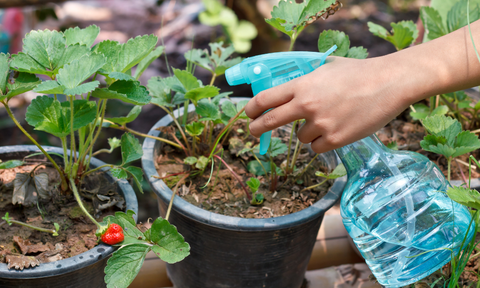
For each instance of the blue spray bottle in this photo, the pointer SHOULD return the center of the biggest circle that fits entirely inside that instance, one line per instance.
(394, 205)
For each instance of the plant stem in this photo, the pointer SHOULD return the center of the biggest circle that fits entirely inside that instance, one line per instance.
(210, 133)
(308, 165)
(83, 154)
(96, 169)
(296, 153)
(73, 154)
(260, 162)
(64, 146)
(213, 78)
(292, 40)
(124, 128)
(178, 125)
(235, 175)
(449, 160)
(193, 145)
(219, 136)
(51, 231)
(105, 150)
(173, 196)
(90, 147)
(60, 172)
(314, 186)
(80, 203)
(287, 170)
(185, 112)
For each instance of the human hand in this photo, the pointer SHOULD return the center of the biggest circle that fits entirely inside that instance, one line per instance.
(342, 101)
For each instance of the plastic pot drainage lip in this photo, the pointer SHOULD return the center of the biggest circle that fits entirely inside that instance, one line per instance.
(71, 264)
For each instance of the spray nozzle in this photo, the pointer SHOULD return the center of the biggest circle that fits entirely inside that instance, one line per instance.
(270, 70)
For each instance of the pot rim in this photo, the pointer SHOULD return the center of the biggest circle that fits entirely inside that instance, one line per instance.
(82, 260)
(228, 222)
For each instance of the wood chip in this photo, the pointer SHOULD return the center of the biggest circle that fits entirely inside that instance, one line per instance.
(274, 194)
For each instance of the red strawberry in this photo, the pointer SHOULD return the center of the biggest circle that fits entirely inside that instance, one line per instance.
(113, 235)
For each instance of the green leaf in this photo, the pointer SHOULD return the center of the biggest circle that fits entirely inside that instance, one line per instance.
(188, 81)
(240, 105)
(122, 57)
(11, 164)
(441, 149)
(119, 172)
(49, 115)
(201, 92)
(4, 71)
(201, 163)
(125, 264)
(190, 160)
(403, 33)
(23, 83)
(132, 115)
(170, 245)
(82, 88)
(215, 62)
(194, 128)
(137, 176)
(114, 143)
(464, 104)
(357, 53)
(392, 145)
(254, 184)
(121, 76)
(208, 111)
(131, 148)
(329, 38)
(126, 91)
(71, 54)
(160, 89)
(84, 36)
(464, 196)
(46, 47)
(49, 87)
(256, 169)
(73, 74)
(277, 147)
(143, 65)
(24, 63)
(457, 16)
(440, 125)
(432, 21)
(338, 172)
(229, 108)
(440, 110)
(421, 111)
(258, 199)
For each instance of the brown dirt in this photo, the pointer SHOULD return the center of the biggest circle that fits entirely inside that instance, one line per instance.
(23, 247)
(224, 195)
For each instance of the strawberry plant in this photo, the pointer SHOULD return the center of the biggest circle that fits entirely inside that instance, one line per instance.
(53, 63)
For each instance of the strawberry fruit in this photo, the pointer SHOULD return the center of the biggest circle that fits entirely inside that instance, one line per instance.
(113, 235)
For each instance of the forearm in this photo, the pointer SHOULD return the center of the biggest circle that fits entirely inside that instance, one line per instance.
(444, 65)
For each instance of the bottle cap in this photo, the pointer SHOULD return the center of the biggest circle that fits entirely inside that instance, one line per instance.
(234, 76)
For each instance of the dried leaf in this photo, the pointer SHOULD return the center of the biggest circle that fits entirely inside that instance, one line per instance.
(27, 247)
(22, 261)
(26, 191)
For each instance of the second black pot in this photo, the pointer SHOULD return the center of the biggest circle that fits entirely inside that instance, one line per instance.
(237, 252)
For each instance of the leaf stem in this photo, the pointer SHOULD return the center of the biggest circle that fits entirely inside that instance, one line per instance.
(296, 153)
(178, 126)
(449, 161)
(73, 154)
(213, 78)
(80, 203)
(219, 136)
(314, 186)
(173, 196)
(292, 40)
(90, 147)
(235, 175)
(125, 128)
(260, 162)
(96, 169)
(308, 165)
(290, 146)
(51, 231)
(60, 172)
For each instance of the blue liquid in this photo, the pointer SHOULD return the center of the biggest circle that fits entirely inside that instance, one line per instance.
(394, 206)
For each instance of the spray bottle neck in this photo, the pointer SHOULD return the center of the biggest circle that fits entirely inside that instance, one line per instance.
(356, 156)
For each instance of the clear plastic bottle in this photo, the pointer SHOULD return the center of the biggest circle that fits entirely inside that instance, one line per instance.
(394, 206)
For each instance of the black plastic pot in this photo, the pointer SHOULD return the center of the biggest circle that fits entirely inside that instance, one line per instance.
(84, 270)
(236, 252)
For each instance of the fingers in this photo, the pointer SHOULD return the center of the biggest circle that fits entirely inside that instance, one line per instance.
(273, 119)
(308, 132)
(324, 144)
(269, 99)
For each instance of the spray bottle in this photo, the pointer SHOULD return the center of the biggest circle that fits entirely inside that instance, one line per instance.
(394, 205)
